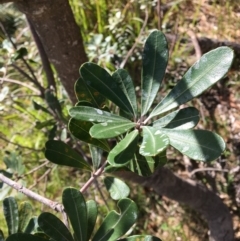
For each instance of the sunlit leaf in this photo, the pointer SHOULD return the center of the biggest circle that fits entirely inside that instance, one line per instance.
(124, 81)
(123, 152)
(99, 79)
(108, 130)
(199, 145)
(86, 93)
(54, 227)
(186, 118)
(152, 144)
(60, 153)
(80, 129)
(96, 154)
(155, 58)
(204, 73)
(117, 224)
(75, 207)
(10, 211)
(116, 187)
(86, 113)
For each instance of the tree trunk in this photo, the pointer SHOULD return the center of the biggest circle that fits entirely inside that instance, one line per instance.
(54, 22)
(164, 182)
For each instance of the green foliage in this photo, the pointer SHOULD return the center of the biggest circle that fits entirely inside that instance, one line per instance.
(82, 216)
(146, 138)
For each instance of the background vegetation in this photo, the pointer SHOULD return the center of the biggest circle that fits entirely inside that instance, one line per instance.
(110, 29)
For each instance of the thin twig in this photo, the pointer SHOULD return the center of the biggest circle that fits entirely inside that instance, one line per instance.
(54, 205)
(30, 79)
(195, 43)
(206, 169)
(20, 83)
(136, 41)
(34, 169)
(40, 178)
(159, 15)
(33, 79)
(45, 61)
(16, 144)
(101, 194)
(93, 177)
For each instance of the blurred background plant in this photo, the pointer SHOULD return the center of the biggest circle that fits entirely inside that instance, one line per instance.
(110, 29)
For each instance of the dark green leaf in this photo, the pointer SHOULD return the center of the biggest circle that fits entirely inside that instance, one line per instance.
(107, 130)
(75, 207)
(186, 118)
(91, 216)
(61, 154)
(116, 187)
(20, 53)
(99, 79)
(86, 93)
(54, 227)
(80, 129)
(140, 238)
(123, 152)
(86, 113)
(117, 224)
(39, 125)
(96, 154)
(25, 214)
(152, 144)
(40, 107)
(197, 144)
(32, 225)
(204, 73)
(155, 58)
(1, 235)
(25, 237)
(10, 211)
(124, 81)
(53, 102)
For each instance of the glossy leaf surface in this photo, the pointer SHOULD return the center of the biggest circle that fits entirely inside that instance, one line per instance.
(108, 130)
(152, 143)
(116, 187)
(32, 225)
(60, 153)
(86, 113)
(86, 93)
(75, 207)
(92, 213)
(199, 145)
(99, 79)
(123, 152)
(186, 118)
(80, 129)
(25, 237)
(204, 73)
(25, 214)
(117, 224)
(140, 238)
(96, 154)
(10, 211)
(155, 58)
(54, 227)
(124, 81)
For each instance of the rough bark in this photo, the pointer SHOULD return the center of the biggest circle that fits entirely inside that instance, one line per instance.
(54, 22)
(164, 182)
